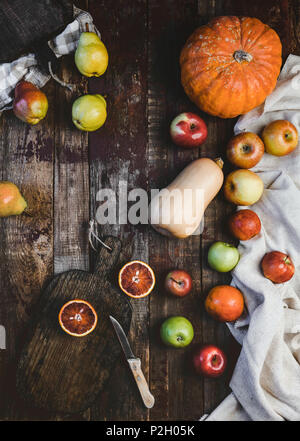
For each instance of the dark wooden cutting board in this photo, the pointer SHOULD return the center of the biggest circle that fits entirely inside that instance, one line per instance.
(62, 373)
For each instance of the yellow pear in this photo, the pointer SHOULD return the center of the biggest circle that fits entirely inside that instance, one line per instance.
(12, 202)
(91, 57)
(89, 112)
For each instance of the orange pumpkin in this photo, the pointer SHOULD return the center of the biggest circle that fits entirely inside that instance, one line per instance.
(230, 65)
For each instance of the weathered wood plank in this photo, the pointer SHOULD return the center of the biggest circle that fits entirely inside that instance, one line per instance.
(178, 391)
(71, 178)
(27, 243)
(219, 132)
(118, 154)
(26, 251)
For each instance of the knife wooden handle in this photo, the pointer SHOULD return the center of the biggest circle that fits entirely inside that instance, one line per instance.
(147, 397)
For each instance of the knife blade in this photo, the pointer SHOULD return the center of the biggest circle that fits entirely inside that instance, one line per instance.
(134, 364)
(122, 338)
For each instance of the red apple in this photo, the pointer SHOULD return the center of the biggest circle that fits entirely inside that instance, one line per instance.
(244, 224)
(209, 361)
(245, 150)
(243, 187)
(188, 130)
(280, 137)
(277, 266)
(178, 283)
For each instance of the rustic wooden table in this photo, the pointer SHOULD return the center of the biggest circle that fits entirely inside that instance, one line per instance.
(60, 171)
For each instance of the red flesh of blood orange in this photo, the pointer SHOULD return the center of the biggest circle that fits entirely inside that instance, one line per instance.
(78, 318)
(136, 279)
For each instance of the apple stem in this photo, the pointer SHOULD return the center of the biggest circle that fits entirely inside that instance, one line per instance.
(176, 281)
(214, 360)
(246, 148)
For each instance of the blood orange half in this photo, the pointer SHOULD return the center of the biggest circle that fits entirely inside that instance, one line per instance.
(136, 279)
(78, 318)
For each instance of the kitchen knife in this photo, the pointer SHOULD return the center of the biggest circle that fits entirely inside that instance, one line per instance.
(135, 365)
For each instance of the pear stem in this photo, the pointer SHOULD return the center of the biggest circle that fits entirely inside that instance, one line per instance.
(27, 213)
(71, 87)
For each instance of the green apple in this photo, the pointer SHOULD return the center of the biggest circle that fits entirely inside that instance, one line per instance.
(223, 257)
(89, 112)
(177, 331)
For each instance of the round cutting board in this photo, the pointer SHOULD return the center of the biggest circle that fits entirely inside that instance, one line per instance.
(62, 373)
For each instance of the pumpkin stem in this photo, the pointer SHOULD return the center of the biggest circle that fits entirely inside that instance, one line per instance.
(219, 162)
(241, 56)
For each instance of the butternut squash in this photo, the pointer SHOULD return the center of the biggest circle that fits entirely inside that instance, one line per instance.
(177, 210)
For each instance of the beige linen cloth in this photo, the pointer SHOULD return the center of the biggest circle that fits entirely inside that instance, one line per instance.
(266, 381)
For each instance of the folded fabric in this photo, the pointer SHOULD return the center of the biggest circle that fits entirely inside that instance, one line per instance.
(26, 67)
(266, 381)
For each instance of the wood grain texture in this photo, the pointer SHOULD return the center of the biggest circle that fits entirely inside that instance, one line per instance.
(62, 373)
(219, 132)
(71, 177)
(118, 155)
(136, 369)
(26, 242)
(177, 391)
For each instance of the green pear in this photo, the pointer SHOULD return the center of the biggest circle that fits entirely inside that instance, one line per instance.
(89, 112)
(91, 57)
(12, 202)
